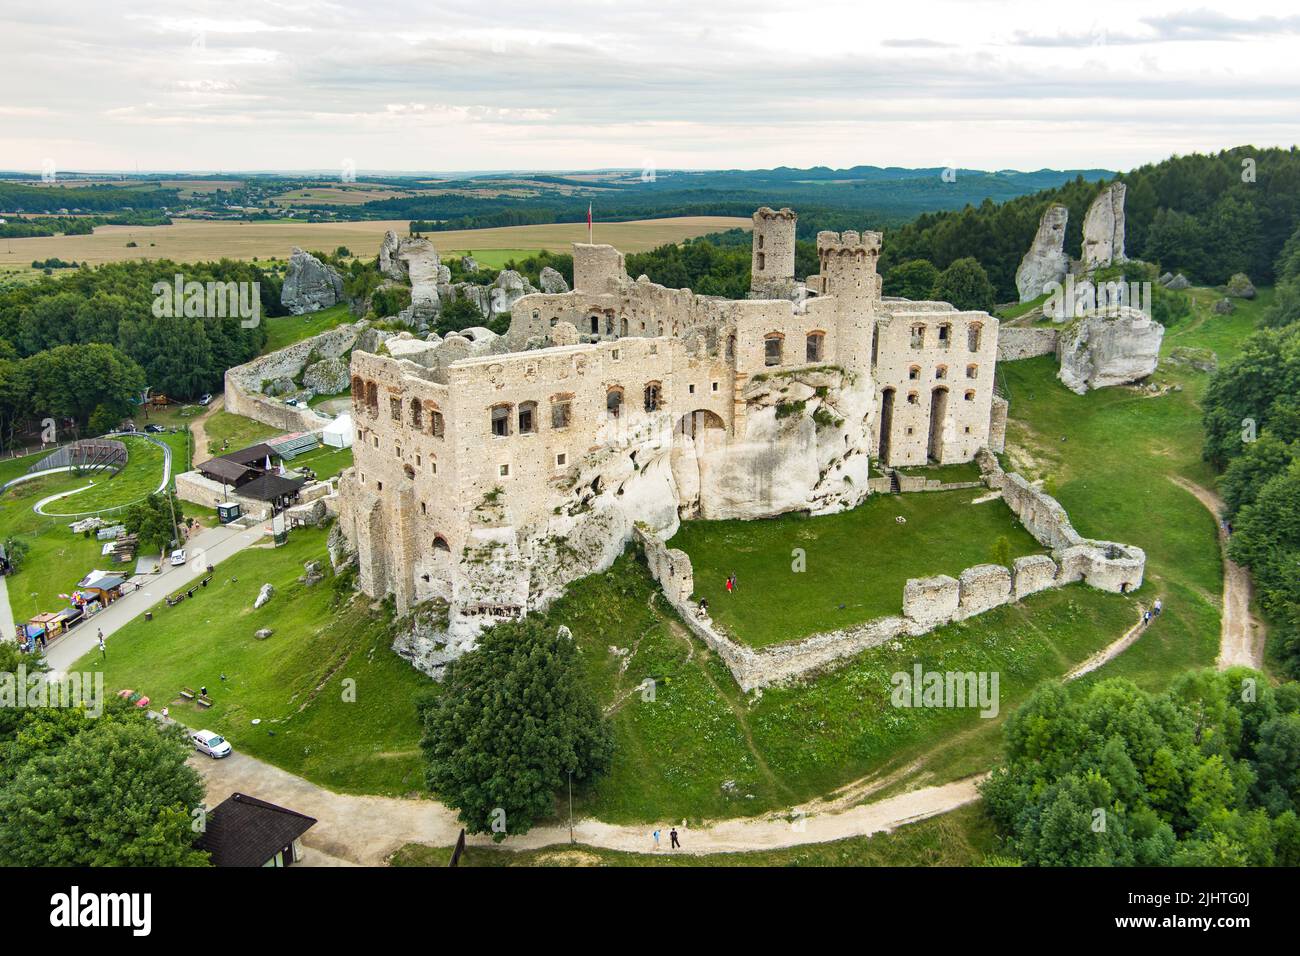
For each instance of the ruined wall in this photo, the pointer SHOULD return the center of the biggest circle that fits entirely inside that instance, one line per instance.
(244, 384)
(1016, 342)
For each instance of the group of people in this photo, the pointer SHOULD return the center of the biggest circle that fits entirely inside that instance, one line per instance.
(1151, 612)
(702, 611)
(672, 836)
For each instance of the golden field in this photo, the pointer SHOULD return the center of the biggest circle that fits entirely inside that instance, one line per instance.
(196, 240)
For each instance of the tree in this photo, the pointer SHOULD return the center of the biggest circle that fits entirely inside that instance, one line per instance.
(457, 315)
(151, 519)
(109, 791)
(515, 719)
(913, 279)
(966, 285)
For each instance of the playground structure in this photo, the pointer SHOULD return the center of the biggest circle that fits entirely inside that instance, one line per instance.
(87, 454)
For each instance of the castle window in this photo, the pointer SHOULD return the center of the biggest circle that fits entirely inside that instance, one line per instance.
(772, 348)
(715, 386)
(433, 467)
(731, 348)
(408, 471)
(560, 412)
(537, 313)
(761, 237)
(424, 507)
(913, 398)
(945, 335)
(395, 409)
(527, 418)
(379, 485)
(595, 325)
(614, 401)
(973, 335)
(561, 459)
(623, 325)
(376, 437)
(419, 460)
(372, 399)
(762, 261)
(691, 388)
(972, 371)
(967, 429)
(397, 451)
(501, 420)
(970, 396)
(652, 397)
(440, 543)
(615, 354)
(555, 320)
(609, 324)
(813, 351)
(358, 390)
(417, 414)
(435, 423)
(941, 371)
(914, 372)
(503, 471)
(918, 336)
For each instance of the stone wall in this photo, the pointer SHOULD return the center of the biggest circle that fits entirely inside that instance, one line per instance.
(1015, 342)
(244, 393)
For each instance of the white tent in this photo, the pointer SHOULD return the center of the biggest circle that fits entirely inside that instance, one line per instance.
(338, 433)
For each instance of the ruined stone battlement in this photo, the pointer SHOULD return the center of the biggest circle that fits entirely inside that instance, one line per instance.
(849, 242)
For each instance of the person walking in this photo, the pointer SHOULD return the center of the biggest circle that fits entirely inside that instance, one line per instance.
(103, 650)
(656, 836)
(1158, 607)
(728, 585)
(672, 835)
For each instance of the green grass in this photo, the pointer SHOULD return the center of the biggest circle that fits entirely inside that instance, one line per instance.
(492, 258)
(857, 562)
(139, 479)
(964, 837)
(293, 682)
(56, 560)
(325, 461)
(238, 430)
(962, 471)
(283, 330)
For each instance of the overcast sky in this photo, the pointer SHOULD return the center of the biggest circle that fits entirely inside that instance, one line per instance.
(398, 85)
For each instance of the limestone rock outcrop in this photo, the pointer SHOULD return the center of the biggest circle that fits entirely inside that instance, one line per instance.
(1240, 287)
(1178, 283)
(1099, 350)
(326, 377)
(1046, 260)
(1103, 229)
(552, 282)
(508, 289)
(310, 285)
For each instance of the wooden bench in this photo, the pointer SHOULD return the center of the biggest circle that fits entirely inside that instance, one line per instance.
(203, 701)
(175, 599)
(188, 693)
(190, 592)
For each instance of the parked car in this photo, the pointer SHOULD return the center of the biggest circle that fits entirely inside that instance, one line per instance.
(154, 429)
(206, 399)
(178, 557)
(214, 745)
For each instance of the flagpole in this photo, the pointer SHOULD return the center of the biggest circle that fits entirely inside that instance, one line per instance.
(589, 224)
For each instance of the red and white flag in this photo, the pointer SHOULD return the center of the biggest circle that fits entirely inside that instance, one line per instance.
(588, 223)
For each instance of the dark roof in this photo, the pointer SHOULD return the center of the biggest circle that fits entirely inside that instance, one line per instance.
(252, 455)
(269, 487)
(246, 831)
(223, 469)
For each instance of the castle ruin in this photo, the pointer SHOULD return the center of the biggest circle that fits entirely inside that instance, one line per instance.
(490, 471)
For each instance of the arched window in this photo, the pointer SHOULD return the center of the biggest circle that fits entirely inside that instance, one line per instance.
(918, 336)
(501, 420)
(945, 335)
(623, 325)
(527, 418)
(941, 371)
(417, 414)
(653, 396)
(614, 401)
(372, 399)
(972, 371)
(973, 335)
(913, 398)
(914, 373)
(814, 351)
(970, 395)
(358, 390)
(595, 325)
(440, 543)
(772, 345)
(395, 408)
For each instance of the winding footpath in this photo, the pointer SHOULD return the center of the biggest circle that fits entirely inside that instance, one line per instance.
(1241, 635)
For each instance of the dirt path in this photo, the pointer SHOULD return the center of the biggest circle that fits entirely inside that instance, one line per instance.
(198, 430)
(1110, 651)
(365, 831)
(1241, 636)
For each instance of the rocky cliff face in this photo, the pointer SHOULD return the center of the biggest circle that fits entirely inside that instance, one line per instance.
(310, 284)
(1046, 260)
(1100, 350)
(1103, 229)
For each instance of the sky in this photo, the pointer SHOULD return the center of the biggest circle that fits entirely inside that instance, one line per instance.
(706, 84)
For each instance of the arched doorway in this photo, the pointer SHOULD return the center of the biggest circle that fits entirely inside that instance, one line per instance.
(886, 424)
(938, 415)
(696, 436)
(693, 424)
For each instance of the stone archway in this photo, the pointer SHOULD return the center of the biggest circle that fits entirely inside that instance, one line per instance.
(696, 436)
(886, 424)
(938, 416)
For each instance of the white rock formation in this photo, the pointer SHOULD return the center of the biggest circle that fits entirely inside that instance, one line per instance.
(310, 285)
(263, 595)
(1100, 350)
(1046, 260)
(1103, 229)
(552, 281)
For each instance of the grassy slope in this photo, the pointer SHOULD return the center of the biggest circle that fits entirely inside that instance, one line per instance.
(292, 682)
(136, 481)
(961, 838)
(56, 558)
(238, 430)
(857, 561)
(283, 330)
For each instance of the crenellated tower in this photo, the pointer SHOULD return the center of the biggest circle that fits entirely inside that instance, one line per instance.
(848, 273)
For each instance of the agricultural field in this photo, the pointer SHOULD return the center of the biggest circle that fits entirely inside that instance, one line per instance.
(855, 563)
(196, 240)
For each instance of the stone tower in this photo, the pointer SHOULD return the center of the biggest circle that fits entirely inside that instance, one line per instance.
(772, 269)
(848, 273)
